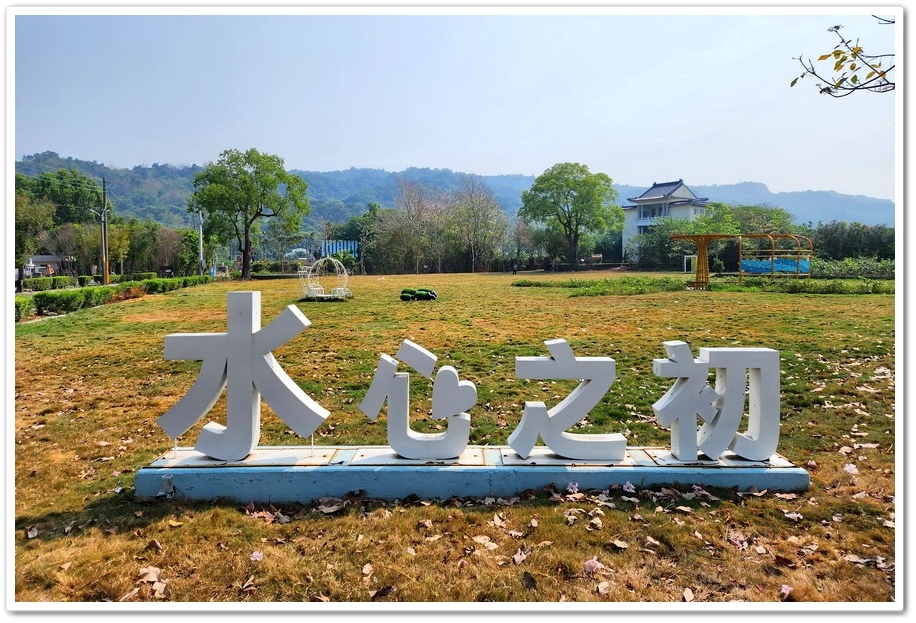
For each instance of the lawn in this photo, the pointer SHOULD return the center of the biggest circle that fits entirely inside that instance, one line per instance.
(90, 385)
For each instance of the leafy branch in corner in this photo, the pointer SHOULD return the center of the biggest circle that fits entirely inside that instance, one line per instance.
(853, 69)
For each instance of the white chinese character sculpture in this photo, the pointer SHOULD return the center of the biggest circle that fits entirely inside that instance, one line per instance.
(722, 408)
(240, 360)
(597, 375)
(451, 398)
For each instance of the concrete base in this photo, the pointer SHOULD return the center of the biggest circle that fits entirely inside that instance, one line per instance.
(306, 473)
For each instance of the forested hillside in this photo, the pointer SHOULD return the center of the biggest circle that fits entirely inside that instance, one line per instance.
(160, 192)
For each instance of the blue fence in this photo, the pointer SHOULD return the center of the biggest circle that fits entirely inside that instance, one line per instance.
(330, 247)
(777, 265)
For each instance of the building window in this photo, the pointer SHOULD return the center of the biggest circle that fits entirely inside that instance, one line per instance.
(699, 211)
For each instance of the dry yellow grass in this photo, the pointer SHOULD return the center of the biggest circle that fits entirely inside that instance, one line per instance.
(89, 387)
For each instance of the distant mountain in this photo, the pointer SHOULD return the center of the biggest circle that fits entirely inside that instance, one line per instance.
(160, 192)
(814, 206)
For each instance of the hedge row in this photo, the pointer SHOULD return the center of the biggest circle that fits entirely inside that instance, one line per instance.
(66, 301)
(788, 285)
(42, 284)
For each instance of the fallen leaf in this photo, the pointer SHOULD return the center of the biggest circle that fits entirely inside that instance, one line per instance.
(688, 595)
(367, 569)
(32, 532)
(684, 509)
(603, 588)
(256, 556)
(485, 541)
(65, 566)
(175, 523)
(521, 554)
(150, 574)
(319, 597)
(528, 581)
(620, 544)
(159, 590)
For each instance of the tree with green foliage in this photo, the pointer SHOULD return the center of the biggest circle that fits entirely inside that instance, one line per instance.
(33, 216)
(841, 240)
(576, 200)
(763, 219)
(852, 69)
(242, 188)
(76, 197)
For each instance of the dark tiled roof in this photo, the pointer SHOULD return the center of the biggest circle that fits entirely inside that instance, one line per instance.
(659, 190)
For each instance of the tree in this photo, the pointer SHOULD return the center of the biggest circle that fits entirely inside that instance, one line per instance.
(576, 200)
(76, 197)
(415, 202)
(480, 223)
(853, 70)
(243, 187)
(32, 218)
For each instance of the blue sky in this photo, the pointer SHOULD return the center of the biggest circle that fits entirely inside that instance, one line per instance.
(653, 95)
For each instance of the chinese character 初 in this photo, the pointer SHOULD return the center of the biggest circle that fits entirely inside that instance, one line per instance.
(739, 371)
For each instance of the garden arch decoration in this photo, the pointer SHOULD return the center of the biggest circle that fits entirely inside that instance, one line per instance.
(786, 254)
(328, 270)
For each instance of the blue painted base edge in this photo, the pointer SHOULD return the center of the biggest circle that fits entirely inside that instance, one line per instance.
(302, 474)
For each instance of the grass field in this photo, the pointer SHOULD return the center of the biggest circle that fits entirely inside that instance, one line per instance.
(90, 385)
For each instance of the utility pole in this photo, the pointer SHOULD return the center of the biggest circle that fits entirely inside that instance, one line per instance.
(200, 245)
(105, 277)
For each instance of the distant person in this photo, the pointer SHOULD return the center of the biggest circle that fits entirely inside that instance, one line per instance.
(515, 269)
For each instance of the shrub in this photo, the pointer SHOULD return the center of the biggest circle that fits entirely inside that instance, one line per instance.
(38, 284)
(64, 281)
(129, 290)
(25, 307)
(83, 280)
(418, 294)
(852, 268)
(788, 285)
(59, 302)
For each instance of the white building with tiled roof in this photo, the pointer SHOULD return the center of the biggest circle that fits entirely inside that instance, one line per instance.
(672, 199)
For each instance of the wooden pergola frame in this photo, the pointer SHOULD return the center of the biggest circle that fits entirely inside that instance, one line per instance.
(803, 247)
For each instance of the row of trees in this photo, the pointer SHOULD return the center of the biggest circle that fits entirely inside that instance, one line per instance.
(251, 206)
(563, 215)
(59, 213)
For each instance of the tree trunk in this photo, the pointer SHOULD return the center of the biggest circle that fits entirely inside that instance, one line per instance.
(246, 256)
